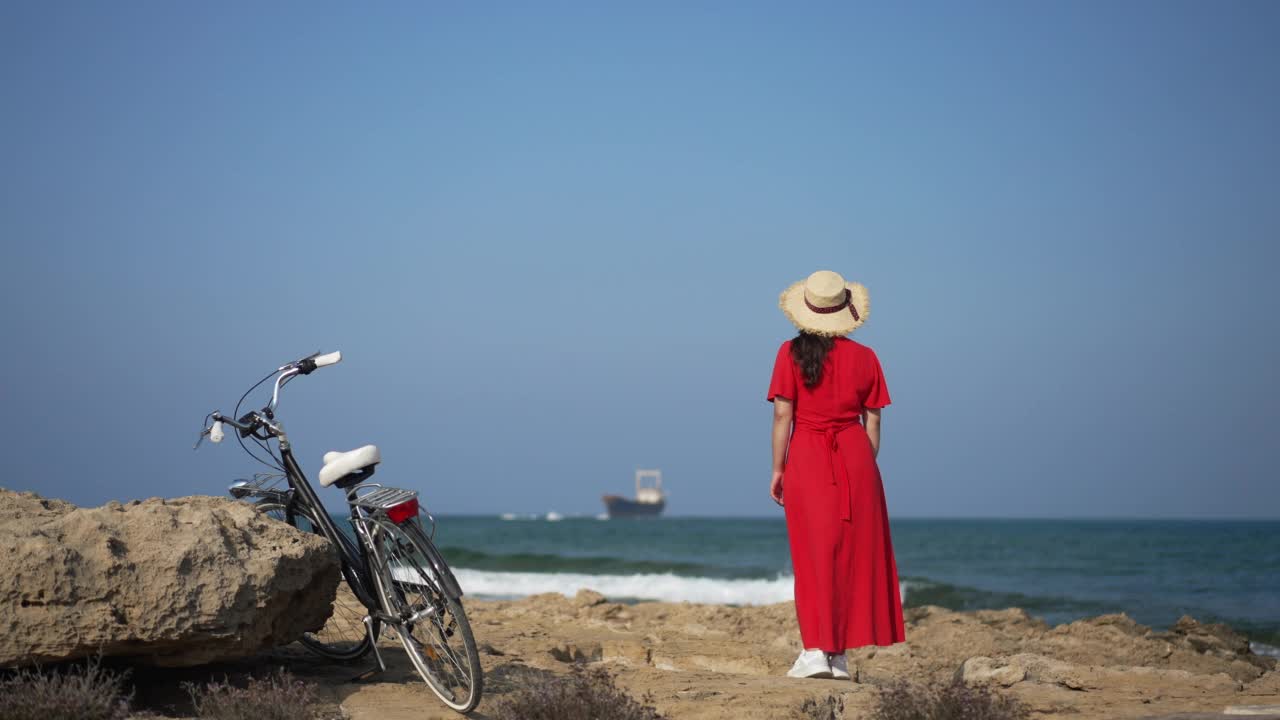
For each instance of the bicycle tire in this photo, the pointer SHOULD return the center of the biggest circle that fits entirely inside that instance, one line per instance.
(453, 674)
(344, 637)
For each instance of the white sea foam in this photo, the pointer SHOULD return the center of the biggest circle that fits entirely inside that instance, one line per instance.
(1264, 649)
(665, 587)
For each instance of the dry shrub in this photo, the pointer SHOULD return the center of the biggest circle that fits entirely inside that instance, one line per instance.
(905, 700)
(81, 692)
(830, 707)
(586, 694)
(278, 696)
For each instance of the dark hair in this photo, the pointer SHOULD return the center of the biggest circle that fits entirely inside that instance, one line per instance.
(809, 350)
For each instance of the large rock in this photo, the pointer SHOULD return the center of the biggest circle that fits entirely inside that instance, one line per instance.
(167, 582)
(1215, 639)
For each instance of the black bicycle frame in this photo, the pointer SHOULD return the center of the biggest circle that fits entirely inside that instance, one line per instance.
(355, 568)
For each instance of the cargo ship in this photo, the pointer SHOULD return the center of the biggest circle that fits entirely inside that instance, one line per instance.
(649, 500)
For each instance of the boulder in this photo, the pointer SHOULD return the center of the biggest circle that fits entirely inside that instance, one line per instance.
(175, 582)
(984, 670)
(1215, 639)
(587, 597)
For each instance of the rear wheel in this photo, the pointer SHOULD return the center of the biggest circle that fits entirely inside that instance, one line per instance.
(344, 636)
(435, 632)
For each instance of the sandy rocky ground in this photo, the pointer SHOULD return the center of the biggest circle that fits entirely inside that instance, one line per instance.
(709, 661)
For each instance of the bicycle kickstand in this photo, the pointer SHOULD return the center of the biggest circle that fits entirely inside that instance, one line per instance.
(382, 666)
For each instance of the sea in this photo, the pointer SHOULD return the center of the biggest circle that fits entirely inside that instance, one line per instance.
(1061, 570)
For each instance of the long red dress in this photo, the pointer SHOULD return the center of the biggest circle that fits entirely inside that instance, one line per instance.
(846, 587)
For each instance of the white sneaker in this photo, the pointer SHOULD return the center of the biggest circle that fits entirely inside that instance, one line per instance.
(810, 664)
(839, 666)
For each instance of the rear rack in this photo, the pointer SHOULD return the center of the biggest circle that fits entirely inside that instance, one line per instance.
(379, 499)
(382, 498)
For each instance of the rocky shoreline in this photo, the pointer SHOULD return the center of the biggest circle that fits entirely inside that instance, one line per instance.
(206, 586)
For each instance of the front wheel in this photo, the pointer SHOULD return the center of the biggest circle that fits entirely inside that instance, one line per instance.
(344, 636)
(434, 628)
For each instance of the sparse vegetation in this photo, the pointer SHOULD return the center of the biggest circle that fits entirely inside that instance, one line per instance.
(80, 692)
(830, 707)
(278, 696)
(586, 694)
(905, 700)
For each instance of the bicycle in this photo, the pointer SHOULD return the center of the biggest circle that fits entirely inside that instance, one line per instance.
(389, 563)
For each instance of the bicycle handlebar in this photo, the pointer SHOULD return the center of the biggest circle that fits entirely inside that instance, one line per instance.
(310, 363)
(305, 366)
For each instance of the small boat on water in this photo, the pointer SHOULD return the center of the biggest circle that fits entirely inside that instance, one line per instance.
(648, 502)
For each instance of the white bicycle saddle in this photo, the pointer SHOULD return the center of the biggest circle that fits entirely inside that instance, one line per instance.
(340, 464)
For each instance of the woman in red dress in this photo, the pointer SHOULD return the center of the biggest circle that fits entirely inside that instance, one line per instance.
(827, 392)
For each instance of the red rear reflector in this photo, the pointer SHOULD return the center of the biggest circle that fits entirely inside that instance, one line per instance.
(403, 511)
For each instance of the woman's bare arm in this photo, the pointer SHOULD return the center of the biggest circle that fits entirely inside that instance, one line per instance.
(871, 419)
(782, 414)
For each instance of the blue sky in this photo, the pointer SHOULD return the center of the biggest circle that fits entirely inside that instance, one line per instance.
(549, 240)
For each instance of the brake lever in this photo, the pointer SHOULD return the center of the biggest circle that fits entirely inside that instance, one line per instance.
(299, 361)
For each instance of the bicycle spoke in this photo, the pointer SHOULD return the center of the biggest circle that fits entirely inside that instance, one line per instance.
(437, 635)
(345, 626)
(451, 678)
(442, 648)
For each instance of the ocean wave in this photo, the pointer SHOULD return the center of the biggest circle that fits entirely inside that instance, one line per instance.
(590, 565)
(1260, 648)
(666, 587)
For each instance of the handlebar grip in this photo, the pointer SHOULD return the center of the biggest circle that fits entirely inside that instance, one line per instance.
(332, 358)
(215, 432)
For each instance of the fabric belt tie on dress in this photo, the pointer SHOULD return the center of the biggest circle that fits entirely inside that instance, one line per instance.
(839, 473)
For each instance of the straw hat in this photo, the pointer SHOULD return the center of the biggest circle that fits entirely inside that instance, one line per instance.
(824, 304)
